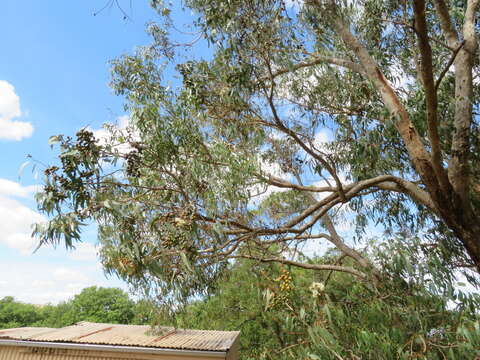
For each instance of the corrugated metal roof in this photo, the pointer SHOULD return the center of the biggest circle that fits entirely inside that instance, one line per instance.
(127, 335)
(24, 333)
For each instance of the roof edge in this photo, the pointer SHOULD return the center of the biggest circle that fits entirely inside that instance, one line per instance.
(113, 348)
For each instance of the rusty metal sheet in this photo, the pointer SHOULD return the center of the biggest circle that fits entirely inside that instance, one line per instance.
(129, 335)
(24, 333)
(198, 339)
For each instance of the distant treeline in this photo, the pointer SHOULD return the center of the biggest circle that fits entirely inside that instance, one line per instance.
(96, 304)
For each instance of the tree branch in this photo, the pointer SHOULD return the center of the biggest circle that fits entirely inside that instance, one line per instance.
(446, 23)
(384, 182)
(419, 156)
(340, 244)
(458, 171)
(408, 188)
(426, 74)
(344, 269)
(316, 60)
(449, 64)
(302, 144)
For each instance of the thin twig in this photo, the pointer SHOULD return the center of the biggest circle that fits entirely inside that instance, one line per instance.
(447, 67)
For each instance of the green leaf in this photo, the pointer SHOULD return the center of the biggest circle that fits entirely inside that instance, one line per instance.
(22, 168)
(52, 140)
(186, 262)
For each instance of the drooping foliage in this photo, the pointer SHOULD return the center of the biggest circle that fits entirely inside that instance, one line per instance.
(285, 312)
(299, 112)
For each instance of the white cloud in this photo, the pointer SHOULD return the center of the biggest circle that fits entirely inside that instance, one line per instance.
(10, 109)
(462, 282)
(42, 283)
(84, 252)
(262, 191)
(400, 79)
(122, 125)
(68, 274)
(274, 169)
(123, 121)
(328, 181)
(50, 275)
(12, 188)
(103, 135)
(345, 225)
(320, 142)
(316, 247)
(17, 219)
(322, 138)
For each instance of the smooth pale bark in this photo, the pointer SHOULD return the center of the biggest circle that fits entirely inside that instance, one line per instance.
(450, 195)
(426, 74)
(458, 166)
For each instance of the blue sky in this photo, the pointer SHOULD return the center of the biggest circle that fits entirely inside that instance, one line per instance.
(54, 76)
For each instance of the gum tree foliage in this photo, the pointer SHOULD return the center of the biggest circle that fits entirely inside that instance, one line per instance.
(194, 181)
(285, 312)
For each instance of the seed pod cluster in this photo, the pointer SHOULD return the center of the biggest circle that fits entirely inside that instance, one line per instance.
(281, 296)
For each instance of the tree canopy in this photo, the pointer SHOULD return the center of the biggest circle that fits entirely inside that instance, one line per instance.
(230, 164)
(285, 312)
(14, 314)
(95, 304)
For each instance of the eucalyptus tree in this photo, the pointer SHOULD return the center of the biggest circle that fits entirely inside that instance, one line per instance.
(231, 164)
(330, 315)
